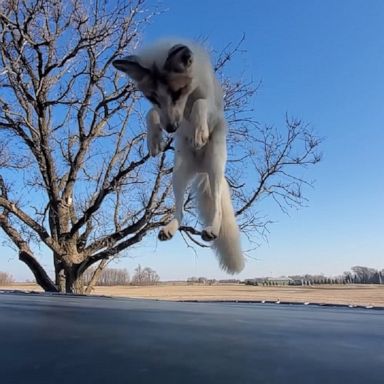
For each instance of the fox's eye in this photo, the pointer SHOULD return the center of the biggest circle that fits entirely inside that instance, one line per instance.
(175, 95)
(153, 99)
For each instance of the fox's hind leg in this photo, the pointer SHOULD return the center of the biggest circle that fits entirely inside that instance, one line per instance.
(154, 133)
(214, 164)
(211, 232)
(182, 174)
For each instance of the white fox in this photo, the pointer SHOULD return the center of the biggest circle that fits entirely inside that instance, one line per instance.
(178, 79)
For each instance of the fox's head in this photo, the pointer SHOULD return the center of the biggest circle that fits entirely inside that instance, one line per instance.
(168, 87)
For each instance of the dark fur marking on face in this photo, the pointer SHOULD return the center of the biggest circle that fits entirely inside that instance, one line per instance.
(175, 95)
(176, 48)
(179, 59)
(176, 84)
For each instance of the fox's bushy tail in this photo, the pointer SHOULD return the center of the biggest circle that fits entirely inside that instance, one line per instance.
(227, 245)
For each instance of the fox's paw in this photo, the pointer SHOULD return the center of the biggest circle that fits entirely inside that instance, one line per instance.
(155, 147)
(167, 232)
(164, 235)
(209, 234)
(201, 137)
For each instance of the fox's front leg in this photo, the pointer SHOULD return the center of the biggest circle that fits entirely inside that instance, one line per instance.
(154, 132)
(199, 121)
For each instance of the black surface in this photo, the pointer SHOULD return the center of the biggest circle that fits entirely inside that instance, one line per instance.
(66, 339)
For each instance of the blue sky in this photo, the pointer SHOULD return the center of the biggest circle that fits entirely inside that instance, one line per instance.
(322, 61)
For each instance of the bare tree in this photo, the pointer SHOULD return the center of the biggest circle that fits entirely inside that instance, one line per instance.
(76, 179)
(366, 275)
(145, 276)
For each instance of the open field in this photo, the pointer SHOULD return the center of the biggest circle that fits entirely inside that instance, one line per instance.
(337, 294)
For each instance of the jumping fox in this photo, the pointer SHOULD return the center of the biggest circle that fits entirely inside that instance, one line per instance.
(187, 100)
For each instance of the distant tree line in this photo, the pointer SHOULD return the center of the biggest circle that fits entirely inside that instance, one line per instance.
(108, 277)
(116, 276)
(364, 275)
(6, 278)
(201, 280)
(207, 281)
(357, 275)
(105, 277)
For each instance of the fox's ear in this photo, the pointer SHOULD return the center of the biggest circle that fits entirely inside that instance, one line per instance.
(179, 59)
(131, 66)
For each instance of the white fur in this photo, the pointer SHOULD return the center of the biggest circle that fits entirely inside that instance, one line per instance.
(200, 153)
(227, 245)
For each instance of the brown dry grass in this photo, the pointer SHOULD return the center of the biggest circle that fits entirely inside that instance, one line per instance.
(350, 294)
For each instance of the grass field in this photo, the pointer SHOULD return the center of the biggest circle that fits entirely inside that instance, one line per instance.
(337, 294)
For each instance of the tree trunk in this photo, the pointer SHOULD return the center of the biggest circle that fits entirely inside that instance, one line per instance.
(73, 282)
(59, 275)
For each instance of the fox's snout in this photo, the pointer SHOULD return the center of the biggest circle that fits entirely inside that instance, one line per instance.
(171, 119)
